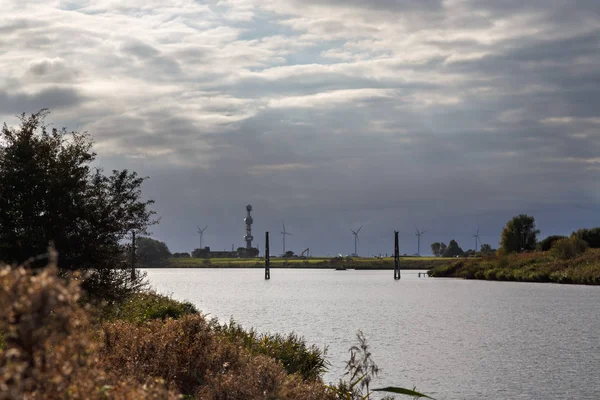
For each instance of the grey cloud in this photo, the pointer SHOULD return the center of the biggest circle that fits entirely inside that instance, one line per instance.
(53, 98)
(385, 162)
(155, 65)
(385, 5)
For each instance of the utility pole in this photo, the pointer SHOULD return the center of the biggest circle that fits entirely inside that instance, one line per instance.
(396, 257)
(133, 255)
(267, 257)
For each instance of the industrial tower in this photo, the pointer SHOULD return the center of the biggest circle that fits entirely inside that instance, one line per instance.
(248, 220)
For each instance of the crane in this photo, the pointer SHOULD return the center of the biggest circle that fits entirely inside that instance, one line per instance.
(306, 251)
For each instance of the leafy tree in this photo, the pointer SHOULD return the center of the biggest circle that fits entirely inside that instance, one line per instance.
(591, 236)
(519, 234)
(289, 254)
(442, 248)
(486, 249)
(181, 255)
(49, 193)
(152, 252)
(453, 249)
(435, 249)
(546, 244)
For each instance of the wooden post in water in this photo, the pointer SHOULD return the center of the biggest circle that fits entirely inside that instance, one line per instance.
(132, 256)
(267, 257)
(396, 257)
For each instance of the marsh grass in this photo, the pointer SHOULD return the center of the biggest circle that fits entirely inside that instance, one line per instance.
(579, 268)
(291, 350)
(146, 306)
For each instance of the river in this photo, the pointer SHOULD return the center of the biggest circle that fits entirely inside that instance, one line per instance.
(452, 339)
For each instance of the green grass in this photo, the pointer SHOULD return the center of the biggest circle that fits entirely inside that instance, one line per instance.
(313, 262)
(291, 350)
(528, 267)
(146, 306)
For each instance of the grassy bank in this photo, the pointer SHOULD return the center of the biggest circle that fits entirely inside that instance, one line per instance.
(320, 262)
(529, 267)
(149, 346)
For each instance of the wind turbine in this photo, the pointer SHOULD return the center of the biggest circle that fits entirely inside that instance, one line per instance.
(476, 236)
(418, 235)
(355, 233)
(201, 233)
(284, 233)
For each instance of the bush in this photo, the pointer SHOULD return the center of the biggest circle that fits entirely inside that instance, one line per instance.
(293, 352)
(590, 236)
(546, 244)
(192, 359)
(142, 307)
(49, 349)
(567, 248)
(54, 350)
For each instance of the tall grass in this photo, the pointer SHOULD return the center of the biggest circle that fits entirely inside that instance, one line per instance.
(291, 350)
(146, 306)
(577, 268)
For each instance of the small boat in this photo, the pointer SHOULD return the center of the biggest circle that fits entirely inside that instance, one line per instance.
(341, 268)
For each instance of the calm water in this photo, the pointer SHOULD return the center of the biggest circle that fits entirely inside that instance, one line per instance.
(453, 339)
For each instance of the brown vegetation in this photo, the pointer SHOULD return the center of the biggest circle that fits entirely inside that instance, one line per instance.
(55, 348)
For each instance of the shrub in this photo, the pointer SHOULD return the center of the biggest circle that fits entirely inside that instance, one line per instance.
(192, 359)
(591, 236)
(146, 306)
(546, 244)
(54, 351)
(293, 352)
(567, 248)
(49, 351)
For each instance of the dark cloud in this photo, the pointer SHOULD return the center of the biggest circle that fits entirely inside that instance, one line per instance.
(445, 121)
(52, 98)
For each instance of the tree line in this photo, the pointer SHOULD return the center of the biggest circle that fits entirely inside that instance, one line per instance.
(521, 235)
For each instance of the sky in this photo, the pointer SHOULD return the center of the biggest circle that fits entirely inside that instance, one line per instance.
(451, 115)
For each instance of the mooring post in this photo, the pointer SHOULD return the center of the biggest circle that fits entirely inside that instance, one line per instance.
(396, 257)
(267, 257)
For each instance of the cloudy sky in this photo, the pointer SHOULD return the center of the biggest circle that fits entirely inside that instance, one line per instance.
(447, 114)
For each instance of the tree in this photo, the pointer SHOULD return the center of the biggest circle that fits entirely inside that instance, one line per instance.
(442, 248)
(181, 255)
(591, 236)
(519, 234)
(435, 249)
(546, 244)
(50, 193)
(453, 249)
(486, 249)
(152, 252)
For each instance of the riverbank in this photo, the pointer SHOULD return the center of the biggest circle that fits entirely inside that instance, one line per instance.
(358, 263)
(147, 346)
(527, 267)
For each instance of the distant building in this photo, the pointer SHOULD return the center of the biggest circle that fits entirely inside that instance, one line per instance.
(241, 252)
